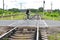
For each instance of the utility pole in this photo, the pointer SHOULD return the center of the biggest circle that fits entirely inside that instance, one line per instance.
(43, 6)
(3, 6)
(51, 10)
(51, 7)
(6, 7)
(3, 10)
(12, 13)
(21, 5)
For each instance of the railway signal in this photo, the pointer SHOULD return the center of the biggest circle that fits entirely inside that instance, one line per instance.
(51, 7)
(43, 7)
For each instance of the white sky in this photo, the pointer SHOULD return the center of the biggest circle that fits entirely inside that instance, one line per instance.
(30, 4)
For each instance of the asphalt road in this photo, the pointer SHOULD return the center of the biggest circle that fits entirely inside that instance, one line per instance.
(40, 23)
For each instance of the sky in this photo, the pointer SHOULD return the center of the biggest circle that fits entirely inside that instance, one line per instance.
(30, 4)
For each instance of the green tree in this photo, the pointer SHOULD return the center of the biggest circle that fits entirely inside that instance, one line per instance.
(56, 10)
(33, 10)
(41, 9)
(14, 10)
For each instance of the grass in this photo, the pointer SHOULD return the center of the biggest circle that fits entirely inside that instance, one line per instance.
(20, 16)
(52, 37)
(50, 16)
(5, 39)
(32, 14)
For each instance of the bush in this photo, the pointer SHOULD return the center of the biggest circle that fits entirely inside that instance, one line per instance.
(54, 15)
(1, 11)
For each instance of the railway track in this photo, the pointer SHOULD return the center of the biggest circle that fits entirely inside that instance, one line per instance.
(24, 34)
(20, 33)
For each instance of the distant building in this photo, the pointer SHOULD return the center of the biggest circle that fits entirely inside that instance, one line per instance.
(48, 10)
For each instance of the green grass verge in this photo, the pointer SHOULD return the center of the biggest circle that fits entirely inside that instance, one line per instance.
(32, 14)
(54, 37)
(5, 39)
(50, 16)
(21, 16)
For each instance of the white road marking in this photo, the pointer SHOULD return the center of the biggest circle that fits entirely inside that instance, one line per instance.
(12, 23)
(40, 17)
(45, 23)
